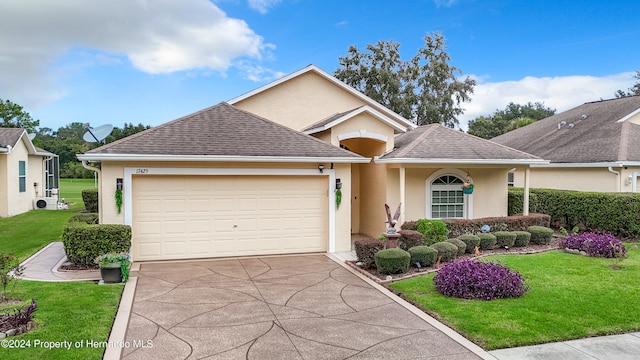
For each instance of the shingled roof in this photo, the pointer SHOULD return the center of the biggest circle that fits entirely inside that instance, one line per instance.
(10, 136)
(438, 144)
(594, 132)
(217, 132)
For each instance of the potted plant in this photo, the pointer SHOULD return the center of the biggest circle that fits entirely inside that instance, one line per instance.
(114, 268)
(467, 187)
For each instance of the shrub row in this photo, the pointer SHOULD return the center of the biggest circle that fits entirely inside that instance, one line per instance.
(602, 212)
(366, 249)
(84, 242)
(459, 227)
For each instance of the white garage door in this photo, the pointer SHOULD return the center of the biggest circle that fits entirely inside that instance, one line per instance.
(185, 217)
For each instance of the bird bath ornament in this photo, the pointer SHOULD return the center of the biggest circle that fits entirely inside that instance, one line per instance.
(392, 235)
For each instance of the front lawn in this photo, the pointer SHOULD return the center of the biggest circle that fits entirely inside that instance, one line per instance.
(78, 312)
(571, 297)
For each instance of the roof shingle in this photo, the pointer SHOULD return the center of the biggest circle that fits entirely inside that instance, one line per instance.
(570, 137)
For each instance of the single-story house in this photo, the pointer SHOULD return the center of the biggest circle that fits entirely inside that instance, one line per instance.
(28, 175)
(298, 165)
(592, 147)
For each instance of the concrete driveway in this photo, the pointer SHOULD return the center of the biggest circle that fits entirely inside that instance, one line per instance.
(285, 307)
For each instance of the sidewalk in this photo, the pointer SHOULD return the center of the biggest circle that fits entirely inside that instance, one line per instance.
(43, 266)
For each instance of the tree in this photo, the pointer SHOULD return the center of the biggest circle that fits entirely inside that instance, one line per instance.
(424, 89)
(13, 115)
(512, 117)
(634, 90)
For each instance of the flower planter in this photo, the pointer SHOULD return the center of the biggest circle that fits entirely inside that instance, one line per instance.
(111, 273)
(467, 190)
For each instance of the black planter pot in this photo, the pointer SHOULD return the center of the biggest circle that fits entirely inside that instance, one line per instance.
(111, 273)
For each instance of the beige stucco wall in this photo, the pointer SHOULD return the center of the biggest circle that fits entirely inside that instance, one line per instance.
(635, 119)
(301, 101)
(580, 179)
(13, 201)
(367, 123)
(488, 199)
(113, 170)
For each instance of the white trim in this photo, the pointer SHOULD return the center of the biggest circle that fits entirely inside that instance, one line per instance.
(632, 114)
(634, 184)
(363, 134)
(468, 202)
(146, 171)
(335, 81)
(430, 161)
(366, 108)
(582, 165)
(220, 158)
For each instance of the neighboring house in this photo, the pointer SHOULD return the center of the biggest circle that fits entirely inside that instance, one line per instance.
(27, 174)
(593, 147)
(259, 174)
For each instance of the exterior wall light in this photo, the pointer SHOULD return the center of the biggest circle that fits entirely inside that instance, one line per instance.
(320, 168)
(119, 184)
(338, 184)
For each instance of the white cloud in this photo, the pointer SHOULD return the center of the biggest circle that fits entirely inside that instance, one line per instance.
(262, 6)
(445, 3)
(561, 93)
(156, 36)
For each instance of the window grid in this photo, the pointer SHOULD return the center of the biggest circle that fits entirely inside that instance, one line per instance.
(22, 176)
(447, 198)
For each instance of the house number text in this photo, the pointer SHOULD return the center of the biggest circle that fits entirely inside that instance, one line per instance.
(142, 171)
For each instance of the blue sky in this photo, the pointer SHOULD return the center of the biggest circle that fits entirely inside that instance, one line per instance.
(151, 61)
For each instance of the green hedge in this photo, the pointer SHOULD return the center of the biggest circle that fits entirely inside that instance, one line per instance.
(392, 261)
(366, 249)
(425, 255)
(433, 230)
(471, 241)
(84, 218)
(540, 235)
(505, 238)
(616, 213)
(461, 245)
(487, 241)
(90, 199)
(83, 242)
(446, 251)
(522, 238)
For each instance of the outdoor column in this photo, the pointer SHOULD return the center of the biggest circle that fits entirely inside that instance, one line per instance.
(525, 200)
(402, 194)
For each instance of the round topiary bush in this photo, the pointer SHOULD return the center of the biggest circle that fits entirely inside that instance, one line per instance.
(425, 255)
(471, 241)
(505, 239)
(487, 241)
(595, 244)
(522, 238)
(540, 235)
(409, 239)
(479, 280)
(459, 244)
(446, 251)
(392, 261)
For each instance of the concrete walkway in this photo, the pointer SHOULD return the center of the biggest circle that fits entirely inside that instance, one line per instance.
(273, 288)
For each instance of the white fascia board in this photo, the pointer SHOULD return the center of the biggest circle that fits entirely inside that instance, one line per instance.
(329, 77)
(376, 114)
(215, 158)
(629, 116)
(459, 161)
(582, 165)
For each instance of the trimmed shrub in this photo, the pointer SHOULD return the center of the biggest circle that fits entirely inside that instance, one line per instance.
(409, 239)
(366, 249)
(471, 241)
(84, 218)
(540, 235)
(505, 238)
(447, 251)
(478, 280)
(595, 244)
(392, 261)
(458, 227)
(409, 225)
(90, 199)
(522, 238)
(433, 230)
(425, 255)
(461, 245)
(83, 242)
(487, 241)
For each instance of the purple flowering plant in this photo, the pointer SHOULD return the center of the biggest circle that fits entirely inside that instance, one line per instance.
(595, 244)
(479, 280)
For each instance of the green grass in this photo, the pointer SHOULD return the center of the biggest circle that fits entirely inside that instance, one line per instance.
(71, 311)
(571, 297)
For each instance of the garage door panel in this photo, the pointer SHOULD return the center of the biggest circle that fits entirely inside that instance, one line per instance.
(181, 217)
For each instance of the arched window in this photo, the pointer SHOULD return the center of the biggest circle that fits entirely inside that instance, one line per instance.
(447, 199)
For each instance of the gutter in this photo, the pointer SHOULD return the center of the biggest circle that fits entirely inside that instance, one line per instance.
(532, 162)
(98, 172)
(617, 175)
(219, 158)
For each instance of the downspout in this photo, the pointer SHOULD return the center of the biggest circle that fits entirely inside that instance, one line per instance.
(86, 165)
(617, 175)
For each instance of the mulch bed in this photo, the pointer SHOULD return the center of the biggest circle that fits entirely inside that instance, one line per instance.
(379, 277)
(73, 267)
